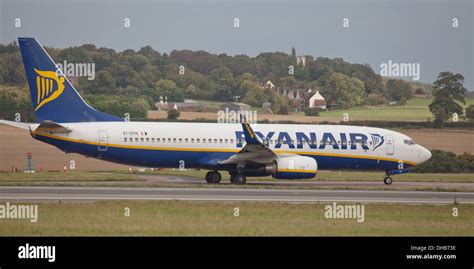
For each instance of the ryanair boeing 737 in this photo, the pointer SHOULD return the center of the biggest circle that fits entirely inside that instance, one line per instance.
(283, 151)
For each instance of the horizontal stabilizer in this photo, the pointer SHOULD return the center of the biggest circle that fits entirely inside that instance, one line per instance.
(20, 125)
(52, 127)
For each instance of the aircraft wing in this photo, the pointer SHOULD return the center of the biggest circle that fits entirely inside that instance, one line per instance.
(253, 150)
(20, 125)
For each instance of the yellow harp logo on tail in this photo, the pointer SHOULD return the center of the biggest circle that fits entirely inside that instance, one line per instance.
(49, 85)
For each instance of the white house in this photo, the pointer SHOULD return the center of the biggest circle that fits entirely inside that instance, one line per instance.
(269, 84)
(317, 101)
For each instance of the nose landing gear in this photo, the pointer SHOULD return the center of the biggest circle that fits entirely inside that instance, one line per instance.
(387, 180)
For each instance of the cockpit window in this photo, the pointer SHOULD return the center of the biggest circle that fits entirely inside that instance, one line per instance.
(409, 142)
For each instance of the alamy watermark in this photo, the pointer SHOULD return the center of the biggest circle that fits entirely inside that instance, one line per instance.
(401, 70)
(335, 211)
(12, 211)
(37, 252)
(235, 116)
(77, 69)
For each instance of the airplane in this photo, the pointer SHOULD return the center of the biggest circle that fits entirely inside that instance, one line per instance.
(283, 151)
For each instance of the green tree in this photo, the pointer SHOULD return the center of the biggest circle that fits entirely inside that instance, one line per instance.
(470, 112)
(74, 55)
(254, 94)
(166, 87)
(280, 104)
(288, 81)
(104, 83)
(448, 90)
(399, 90)
(173, 114)
(375, 99)
(248, 76)
(342, 90)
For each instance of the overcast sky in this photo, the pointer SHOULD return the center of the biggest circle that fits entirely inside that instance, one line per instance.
(417, 31)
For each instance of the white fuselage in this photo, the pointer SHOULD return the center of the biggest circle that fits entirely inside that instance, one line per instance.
(202, 144)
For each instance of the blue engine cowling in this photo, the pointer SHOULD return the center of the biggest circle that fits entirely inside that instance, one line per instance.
(295, 167)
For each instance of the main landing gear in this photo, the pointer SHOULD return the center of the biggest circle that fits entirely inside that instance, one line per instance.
(238, 178)
(213, 177)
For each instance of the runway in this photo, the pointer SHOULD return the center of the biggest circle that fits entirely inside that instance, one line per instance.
(160, 179)
(18, 194)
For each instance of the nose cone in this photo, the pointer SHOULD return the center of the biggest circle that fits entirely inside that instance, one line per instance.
(425, 155)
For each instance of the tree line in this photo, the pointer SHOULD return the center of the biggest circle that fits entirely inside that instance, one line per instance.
(147, 74)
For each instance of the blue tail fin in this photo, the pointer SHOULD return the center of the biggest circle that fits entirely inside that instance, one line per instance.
(53, 96)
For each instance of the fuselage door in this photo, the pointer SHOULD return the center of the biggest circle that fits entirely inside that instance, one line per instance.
(103, 141)
(390, 144)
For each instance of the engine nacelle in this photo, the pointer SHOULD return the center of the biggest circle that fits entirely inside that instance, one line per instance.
(295, 167)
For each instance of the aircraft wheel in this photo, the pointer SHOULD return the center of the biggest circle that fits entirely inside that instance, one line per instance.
(238, 179)
(387, 180)
(213, 177)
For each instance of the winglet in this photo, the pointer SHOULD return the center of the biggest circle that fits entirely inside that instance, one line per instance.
(250, 136)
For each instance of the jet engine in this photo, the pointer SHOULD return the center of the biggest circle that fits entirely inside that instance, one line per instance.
(295, 167)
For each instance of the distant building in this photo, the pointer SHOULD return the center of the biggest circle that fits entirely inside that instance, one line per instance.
(301, 60)
(316, 100)
(269, 84)
(187, 105)
(235, 107)
(292, 94)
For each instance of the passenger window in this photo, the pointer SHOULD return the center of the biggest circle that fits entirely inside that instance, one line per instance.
(192, 140)
(198, 140)
(226, 141)
(174, 140)
(136, 139)
(141, 139)
(147, 139)
(124, 139)
(169, 140)
(152, 139)
(186, 140)
(215, 140)
(180, 140)
(158, 140)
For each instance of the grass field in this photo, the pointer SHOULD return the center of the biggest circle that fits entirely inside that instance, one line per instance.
(255, 219)
(344, 176)
(200, 174)
(415, 110)
(344, 180)
(66, 177)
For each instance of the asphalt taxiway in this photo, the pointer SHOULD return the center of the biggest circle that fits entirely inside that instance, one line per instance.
(28, 193)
